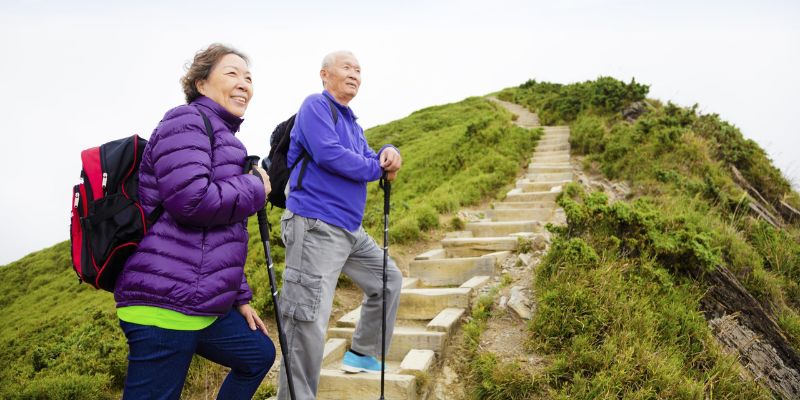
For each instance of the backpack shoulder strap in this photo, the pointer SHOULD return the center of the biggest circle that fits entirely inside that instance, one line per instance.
(207, 123)
(304, 155)
(334, 111)
(156, 214)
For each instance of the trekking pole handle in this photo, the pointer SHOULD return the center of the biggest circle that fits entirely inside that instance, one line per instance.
(249, 163)
(387, 191)
(263, 224)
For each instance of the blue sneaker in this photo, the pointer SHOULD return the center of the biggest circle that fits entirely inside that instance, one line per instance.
(354, 364)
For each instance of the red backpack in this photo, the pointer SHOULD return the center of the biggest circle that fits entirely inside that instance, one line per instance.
(107, 220)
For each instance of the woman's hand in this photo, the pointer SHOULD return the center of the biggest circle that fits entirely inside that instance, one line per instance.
(264, 177)
(251, 316)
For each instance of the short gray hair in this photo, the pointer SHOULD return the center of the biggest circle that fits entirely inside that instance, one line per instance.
(330, 58)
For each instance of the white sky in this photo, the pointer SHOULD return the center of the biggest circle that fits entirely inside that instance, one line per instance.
(76, 74)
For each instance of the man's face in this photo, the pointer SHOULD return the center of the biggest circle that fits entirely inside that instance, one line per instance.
(342, 78)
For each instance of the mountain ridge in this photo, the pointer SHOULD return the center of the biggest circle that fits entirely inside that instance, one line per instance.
(457, 155)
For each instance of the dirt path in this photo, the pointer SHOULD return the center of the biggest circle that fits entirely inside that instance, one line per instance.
(525, 118)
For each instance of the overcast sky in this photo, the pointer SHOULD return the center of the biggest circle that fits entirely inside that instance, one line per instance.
(76, 74)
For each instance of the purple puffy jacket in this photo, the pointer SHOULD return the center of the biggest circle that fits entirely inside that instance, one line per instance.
(192, 258)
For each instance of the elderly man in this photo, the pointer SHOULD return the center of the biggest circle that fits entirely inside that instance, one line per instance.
(322, 229)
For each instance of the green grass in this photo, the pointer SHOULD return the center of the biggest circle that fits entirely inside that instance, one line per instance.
(618, 313)
(61, 340)
(453, 155)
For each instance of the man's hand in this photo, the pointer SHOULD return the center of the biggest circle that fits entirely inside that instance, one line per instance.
(251, 316)
(391, 161)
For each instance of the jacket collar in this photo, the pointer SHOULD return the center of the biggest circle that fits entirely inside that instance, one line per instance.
(231, 121)
(340, 106)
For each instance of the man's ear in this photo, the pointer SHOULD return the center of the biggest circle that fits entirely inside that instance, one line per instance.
(323, 75)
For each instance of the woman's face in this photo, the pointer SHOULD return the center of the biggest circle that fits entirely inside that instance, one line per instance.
(229, 84)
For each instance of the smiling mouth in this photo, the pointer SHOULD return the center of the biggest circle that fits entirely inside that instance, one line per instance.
(239, 99)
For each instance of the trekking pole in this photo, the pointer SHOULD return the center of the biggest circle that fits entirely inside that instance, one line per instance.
(263, 228)
(387, 191)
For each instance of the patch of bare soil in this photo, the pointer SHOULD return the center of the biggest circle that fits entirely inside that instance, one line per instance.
(591, 178)
(507, 331)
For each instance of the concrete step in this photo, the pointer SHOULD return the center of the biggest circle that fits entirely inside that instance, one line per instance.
(541, 168)
(502, 228)
(410, 283)
(335, 384)
(545, 158)
(554, 134)
(521, 214)
(458, 234)
(446, 321)
(442, 322)
(541, 186)
(351, 318)
(431, 255)
(475, 247)
(538, 155)
(517, 195)
(450, 271)
(550, 176)
(556, 130)
(551, 140)
(426, 303)
(552, 147)
(405, 339)
(400, 379)
(475, 283)
(560, 143)
(522, 204)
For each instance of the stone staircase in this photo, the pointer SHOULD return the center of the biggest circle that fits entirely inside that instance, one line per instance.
(442, 282)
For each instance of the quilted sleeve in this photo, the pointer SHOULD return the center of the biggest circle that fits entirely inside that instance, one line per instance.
(182, 167)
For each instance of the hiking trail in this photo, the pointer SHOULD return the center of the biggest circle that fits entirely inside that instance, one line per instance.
(441, 282)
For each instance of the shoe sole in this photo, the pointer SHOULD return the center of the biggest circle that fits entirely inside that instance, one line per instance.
(355, 370)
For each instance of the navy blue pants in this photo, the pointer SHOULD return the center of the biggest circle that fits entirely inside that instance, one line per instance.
(159, 358)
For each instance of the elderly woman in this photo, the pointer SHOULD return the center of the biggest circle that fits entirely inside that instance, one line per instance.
(184, 291)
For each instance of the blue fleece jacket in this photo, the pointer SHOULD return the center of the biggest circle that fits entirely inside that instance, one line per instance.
(334, 186)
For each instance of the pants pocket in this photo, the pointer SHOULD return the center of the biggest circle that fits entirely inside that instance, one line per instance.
(312, 224)
(286, 226)
(301, 294)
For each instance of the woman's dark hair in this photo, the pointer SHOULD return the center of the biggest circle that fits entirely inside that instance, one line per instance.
(204, 61)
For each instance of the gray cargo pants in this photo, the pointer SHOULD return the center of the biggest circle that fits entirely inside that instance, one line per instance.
(316, 253)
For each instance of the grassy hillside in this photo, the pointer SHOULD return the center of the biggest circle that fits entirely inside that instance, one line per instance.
(620, 292)
(620, 295)
(61, 340)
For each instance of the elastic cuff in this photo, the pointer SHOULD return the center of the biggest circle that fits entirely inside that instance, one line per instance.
(388, 146)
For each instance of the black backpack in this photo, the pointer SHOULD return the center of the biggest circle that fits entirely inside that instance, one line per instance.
(107, 221)
(276, 164)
